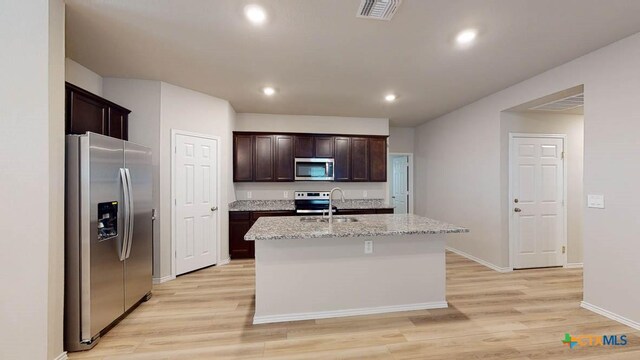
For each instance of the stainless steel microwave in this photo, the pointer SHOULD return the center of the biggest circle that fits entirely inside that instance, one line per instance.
(314, 169)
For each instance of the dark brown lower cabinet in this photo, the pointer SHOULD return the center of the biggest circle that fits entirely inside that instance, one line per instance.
(364, 211)
(239, 224)
(241, 221)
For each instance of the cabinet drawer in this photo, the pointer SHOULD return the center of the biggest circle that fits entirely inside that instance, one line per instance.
(239, 215)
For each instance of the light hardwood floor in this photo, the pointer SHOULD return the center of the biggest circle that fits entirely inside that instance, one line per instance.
(518, 315)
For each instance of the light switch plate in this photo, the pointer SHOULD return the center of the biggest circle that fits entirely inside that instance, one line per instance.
(595, 201)
(249, 195)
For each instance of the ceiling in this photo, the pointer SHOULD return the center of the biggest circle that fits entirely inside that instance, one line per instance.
(323, 60)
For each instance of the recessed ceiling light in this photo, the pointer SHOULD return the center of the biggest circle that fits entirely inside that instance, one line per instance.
(255, 14)
(466, 37)
(268, 91)
(390, 97)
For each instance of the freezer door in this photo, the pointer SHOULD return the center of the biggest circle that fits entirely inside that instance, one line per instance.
(102, 271)
(139, 253)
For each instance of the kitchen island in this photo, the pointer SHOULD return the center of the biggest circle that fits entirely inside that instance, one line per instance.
(309, 269)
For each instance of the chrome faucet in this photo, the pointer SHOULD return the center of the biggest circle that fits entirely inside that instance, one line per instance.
(331, 202)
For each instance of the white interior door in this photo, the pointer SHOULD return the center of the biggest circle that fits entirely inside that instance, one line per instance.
(400, 185)
(196, 201)
(537, 207)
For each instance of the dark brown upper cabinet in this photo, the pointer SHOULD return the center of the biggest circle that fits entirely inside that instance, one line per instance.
(89, 112)
(263, 158)
(323, 146)
(359, 159)
(118, 123)
(269, 157)
(378, 159)
(284, 167)
(304, 146)
(342, 159)
(242, 157)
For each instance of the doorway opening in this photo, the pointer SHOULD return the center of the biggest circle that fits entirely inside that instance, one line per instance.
(400, 175)
(542, 162)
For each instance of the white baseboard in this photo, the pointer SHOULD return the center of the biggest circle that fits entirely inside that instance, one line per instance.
(163, 279)
(610, 315)
(480, 261)
(573, 266)
(224, 262)
(350, 312)
(62, 356)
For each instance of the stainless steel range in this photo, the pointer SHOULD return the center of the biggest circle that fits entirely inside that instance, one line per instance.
(312, 202)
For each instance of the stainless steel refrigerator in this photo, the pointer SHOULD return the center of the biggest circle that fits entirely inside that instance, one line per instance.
(108, 234)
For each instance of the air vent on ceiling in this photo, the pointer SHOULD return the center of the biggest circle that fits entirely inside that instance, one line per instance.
(563, 104)
(378, 9)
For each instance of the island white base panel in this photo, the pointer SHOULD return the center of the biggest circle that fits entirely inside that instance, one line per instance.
(302, 279)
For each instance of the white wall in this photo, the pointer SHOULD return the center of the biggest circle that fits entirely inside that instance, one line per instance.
(459, 154)
(312, 124)
(401, 139)
(549, 123)
(31, 157)
(196, 112)
(83, 77)
(142, 97)
(156, 108)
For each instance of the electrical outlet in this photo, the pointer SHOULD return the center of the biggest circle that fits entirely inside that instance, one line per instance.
(365, 194)
(249, 195)
(368, 246)
(285, 194)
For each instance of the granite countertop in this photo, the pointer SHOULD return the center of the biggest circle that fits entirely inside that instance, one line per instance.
(290, 227)
(262, 205)
(276, 205)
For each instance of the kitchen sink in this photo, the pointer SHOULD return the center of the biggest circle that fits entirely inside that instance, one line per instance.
(313, 219)
(336, 219)
(344, 219)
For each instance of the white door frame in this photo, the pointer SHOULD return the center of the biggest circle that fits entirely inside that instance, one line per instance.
(563, 137)
(410, 177)
(174, 133)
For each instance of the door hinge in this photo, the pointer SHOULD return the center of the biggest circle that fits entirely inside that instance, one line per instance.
(564, 249)
(562, 155)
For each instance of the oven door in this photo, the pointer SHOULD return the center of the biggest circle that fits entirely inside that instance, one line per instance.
(314, 169)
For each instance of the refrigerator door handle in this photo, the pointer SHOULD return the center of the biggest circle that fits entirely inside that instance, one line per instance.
(131, 213)
(126, 208)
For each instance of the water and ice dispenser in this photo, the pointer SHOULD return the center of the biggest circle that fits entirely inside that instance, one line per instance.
(107, 220)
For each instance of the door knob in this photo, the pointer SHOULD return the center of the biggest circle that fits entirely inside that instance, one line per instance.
(517, 210)
(214, 208)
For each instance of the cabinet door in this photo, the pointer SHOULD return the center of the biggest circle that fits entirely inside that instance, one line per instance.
(304, 146)
(118, 123)
(243, 158)
(263, 158)
(86, 114)
(378, 159)
(359, 159)
(384, 211)
(239, 225)
(284, 158)
(342, 159)
(323, 146)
